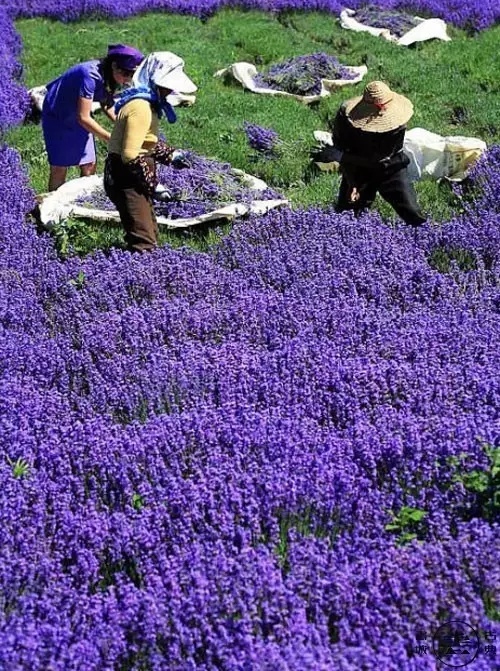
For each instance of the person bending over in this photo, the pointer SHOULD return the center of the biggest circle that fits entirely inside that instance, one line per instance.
(68, 127)
(368, 135)
(130, 170)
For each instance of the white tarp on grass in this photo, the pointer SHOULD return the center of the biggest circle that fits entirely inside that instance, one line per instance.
(431, 155)
(62, 204)
(245, 74)
(427, 29)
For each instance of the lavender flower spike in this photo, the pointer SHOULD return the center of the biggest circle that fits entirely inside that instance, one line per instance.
(261, 139)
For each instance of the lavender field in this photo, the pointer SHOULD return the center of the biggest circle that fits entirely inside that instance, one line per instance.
(279, 455)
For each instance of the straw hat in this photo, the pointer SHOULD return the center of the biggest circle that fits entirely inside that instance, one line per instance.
(379, 109)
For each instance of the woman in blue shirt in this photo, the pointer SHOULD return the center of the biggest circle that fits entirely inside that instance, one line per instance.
(68, 127)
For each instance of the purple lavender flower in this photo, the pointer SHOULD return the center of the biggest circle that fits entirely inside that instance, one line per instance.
(261, 139)
(204, 186)
(476, 14)
(279, 454)
(398, 22)
(97, 200)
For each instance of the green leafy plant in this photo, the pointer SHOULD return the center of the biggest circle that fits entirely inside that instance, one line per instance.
(20, 467)
(137, 502)
(79, 280)
(407, 524)
(67, 234)
(484, 484)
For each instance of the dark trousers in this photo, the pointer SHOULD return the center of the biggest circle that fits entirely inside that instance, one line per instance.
(393, 185)
(134, 206)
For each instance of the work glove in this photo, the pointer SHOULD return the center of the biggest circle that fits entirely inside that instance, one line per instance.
(326, 154)
(164, 153)
(396, 162)
(180, 160)
(162, 193)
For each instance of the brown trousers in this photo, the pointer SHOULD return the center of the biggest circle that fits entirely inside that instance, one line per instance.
(133, 204)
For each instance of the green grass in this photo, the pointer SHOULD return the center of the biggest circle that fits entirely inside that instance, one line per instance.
(439, 77)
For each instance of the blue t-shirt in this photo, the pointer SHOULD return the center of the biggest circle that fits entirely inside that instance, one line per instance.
(84, 80)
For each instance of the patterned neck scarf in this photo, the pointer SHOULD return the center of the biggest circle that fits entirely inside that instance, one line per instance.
(160, 105)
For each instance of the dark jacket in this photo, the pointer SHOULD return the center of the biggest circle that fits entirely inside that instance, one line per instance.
(367, 155)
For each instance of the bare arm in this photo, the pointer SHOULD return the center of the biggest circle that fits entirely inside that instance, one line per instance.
(85, 119)
(109, 112)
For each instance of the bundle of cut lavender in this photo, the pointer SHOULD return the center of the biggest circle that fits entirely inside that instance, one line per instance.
(204, 186)
(397, 22)
(302, 75)
(265, 141)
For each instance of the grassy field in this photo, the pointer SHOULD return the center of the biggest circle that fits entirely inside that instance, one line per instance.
(454, 86)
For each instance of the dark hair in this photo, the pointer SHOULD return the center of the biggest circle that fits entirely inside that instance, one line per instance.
(110, 85)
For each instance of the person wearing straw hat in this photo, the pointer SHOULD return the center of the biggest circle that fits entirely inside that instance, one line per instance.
(67, 123)
(130, 179)
(368, 135)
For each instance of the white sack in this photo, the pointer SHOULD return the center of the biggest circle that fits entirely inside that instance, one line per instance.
(245, 74)
(427, 29)
(38, 93)
(431, 155)
(438, 156)
(60, 204)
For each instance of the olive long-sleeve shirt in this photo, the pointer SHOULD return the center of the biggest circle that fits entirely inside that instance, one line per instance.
(135, 131)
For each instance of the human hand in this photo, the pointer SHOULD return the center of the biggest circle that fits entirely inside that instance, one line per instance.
(354, 195)
(180, 160)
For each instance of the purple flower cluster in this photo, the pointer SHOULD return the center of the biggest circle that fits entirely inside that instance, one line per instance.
(473, 14)
(397, 22)
(208, 457)
(14, 99)
(279, 455)
(97, 200)
(302, 75)
(204, 186)
(473, 236)
(263, 140)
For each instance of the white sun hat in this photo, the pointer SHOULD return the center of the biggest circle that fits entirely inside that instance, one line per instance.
(166, 69)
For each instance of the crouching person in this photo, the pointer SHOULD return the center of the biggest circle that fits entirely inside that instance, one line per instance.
(368, 136)
(134, 147)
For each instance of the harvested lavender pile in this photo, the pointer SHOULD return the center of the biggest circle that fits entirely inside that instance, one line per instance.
(203, 187)
(263, 140)
(302, 75)
(397, 22)
(97, 200)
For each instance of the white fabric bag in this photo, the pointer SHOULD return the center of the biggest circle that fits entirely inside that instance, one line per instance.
(438, 156)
